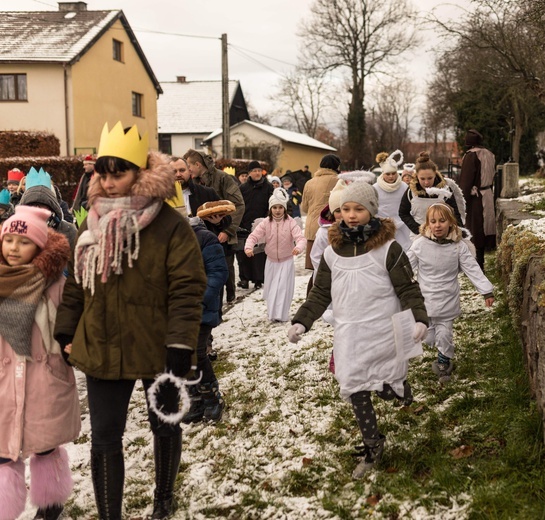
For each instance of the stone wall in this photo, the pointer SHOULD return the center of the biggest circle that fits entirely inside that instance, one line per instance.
(532, 310)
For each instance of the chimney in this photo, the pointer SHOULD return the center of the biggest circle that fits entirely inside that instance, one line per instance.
(180, 79)
(66, 7)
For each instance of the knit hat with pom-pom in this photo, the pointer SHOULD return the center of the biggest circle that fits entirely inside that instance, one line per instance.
(387, 162)
(335, 195)
(279, 196)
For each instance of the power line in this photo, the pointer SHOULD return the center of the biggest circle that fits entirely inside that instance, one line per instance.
(263, 55)
(255, 61)
(175, 34)
(45, 3)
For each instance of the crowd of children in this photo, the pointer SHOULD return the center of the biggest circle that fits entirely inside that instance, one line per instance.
(395, 247)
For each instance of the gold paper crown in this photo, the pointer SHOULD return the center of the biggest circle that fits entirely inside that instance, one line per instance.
(126, 146)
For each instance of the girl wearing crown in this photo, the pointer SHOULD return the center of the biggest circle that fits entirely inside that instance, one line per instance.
(426, 187)
(131, 309)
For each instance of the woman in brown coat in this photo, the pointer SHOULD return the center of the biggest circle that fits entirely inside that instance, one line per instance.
(131, 309)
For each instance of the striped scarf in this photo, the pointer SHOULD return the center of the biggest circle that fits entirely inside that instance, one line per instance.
(113, 230)
(21, 288)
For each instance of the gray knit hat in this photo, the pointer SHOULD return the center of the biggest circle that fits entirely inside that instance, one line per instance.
(42, 195)
(362, 193)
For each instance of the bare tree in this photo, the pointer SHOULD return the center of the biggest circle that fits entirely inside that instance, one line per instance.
(363, 37)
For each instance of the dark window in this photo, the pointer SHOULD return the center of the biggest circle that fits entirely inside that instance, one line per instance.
(245, 152)
(13, 87)
(165, 143)
(137, 104)
(117, 50)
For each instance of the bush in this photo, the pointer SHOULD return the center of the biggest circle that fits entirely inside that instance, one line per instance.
(28, 144)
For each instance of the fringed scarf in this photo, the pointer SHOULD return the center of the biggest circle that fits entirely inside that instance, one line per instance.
(113, 230)
(21, 288)
(389, 186)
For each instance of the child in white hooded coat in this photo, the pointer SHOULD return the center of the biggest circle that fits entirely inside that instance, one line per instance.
(439, 254)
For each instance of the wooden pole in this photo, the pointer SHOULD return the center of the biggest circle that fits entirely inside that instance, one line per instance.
(226, 141)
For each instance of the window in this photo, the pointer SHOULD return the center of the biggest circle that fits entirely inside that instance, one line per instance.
(198, 143)
(245, 152)
(13, 87)
(117, 50)
(165, 143)
(137, 104)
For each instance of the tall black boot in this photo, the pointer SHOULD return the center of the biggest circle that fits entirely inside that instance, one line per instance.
(108, 473)
(212, 401)
(168, 452)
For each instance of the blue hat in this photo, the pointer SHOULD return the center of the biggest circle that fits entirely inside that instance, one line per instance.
(4, 196)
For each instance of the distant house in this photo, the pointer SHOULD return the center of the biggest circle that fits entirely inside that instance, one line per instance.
(190, 110)
(283, 149)
(69, 71)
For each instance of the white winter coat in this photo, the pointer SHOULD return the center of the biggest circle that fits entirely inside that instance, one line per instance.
(438, 266)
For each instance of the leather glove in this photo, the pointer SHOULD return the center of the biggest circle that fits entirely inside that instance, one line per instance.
(420, 331)
(178, 361)
(295, 332)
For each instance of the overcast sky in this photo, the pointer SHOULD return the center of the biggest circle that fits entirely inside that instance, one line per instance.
(262, 37)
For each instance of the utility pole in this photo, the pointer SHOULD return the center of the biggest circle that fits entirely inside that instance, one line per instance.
(226, 141)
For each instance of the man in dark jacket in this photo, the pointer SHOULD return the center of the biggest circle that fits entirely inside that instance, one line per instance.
(203, 171)
(256, 192)
(80, 199)
(195, 195)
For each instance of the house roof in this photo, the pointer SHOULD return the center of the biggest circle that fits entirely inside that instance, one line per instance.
(59, 36)
(284, 135)
(191, 107)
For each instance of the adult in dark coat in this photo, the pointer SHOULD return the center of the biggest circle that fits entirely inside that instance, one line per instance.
(477, 185)
(80, 199)
(197, 195)
(256, 192)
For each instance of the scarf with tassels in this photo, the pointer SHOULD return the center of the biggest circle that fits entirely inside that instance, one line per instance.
(113, 230)
(21, 288)
(389, 186)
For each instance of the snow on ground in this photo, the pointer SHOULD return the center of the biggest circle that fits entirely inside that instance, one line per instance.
(281, 403)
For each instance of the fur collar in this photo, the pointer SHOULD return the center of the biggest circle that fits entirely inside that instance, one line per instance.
(53, 258)
(418, 191)
(155, 182)
(386, 232)
(324, 171)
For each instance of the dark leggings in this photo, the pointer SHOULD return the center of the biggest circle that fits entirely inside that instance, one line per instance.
(365, 413)
(203, 361)
(108, 407)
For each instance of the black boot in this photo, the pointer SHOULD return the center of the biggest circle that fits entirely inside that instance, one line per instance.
(49, 513)
(108, 473)
(168, 452)
(213, 401)
(196, 410)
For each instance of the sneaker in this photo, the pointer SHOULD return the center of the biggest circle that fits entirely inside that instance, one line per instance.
(442, 370)
(370, 453)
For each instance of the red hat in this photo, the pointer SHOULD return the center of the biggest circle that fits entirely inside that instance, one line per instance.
(15, 175)
(89, 159)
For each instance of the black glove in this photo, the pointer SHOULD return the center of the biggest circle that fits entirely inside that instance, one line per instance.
(64, 339)
(178, 361)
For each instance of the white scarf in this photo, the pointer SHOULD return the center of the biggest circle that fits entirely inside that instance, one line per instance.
(389, 187)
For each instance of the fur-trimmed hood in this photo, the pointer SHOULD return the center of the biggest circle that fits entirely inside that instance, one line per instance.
(53, 258)
(419, 191)
(324, 171)
(386, 231)
(156, 181)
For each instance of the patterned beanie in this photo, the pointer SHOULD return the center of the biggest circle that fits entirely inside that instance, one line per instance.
(279, 196)
(335, 195)
(30, 222)
(362, 193)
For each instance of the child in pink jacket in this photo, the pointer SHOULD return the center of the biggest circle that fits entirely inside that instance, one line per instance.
(283, 240)
(39, 406)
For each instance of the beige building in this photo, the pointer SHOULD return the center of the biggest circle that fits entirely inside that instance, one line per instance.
(67, 72)
(283, 149)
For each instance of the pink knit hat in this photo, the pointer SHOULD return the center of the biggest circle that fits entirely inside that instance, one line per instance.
(30, 222)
